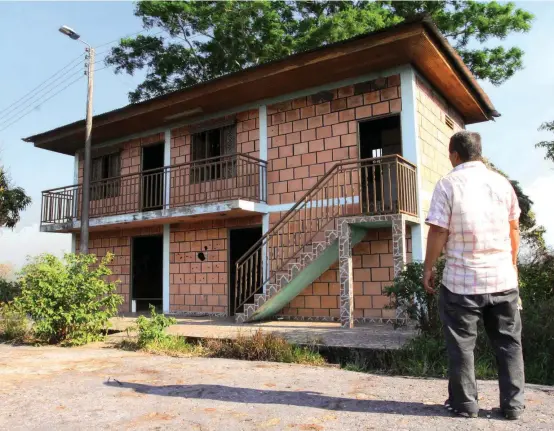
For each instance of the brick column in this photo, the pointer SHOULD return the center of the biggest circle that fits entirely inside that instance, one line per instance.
(345, 275)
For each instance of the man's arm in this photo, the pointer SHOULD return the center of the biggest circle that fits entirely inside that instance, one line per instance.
(514, 239)
(436, 241)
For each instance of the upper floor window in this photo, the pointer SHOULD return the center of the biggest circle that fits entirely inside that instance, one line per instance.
(105, 174)
(210, 150)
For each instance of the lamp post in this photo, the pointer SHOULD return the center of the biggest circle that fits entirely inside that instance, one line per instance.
(83, 248)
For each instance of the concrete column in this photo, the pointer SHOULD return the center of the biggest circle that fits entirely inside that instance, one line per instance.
(265, 263)
(398, 244)
(262, 113)
(165, 278)
(346, 275)
(167, 162)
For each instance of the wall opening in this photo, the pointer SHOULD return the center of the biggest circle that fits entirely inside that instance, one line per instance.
(147, 272)
(240, 241)
(152, 177)
(379, 138)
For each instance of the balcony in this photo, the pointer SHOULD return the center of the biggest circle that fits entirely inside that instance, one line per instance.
(226, 185)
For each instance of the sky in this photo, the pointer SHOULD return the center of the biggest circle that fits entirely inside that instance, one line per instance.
(36, 50)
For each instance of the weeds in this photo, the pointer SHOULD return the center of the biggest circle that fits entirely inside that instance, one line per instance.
(14, 325)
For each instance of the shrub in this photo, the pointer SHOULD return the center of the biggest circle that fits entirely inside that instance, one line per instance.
(151, 330)
(68, 300)
(13, 323)
(8, 290)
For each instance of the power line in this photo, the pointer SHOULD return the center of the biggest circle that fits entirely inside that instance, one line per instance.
(41, 103)
(42, 83)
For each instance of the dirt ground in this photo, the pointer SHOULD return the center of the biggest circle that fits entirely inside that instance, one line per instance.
(103, 388)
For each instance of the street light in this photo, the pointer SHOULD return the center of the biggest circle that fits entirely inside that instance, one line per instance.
(88, 130)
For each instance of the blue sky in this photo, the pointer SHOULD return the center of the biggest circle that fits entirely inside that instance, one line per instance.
(36, 50)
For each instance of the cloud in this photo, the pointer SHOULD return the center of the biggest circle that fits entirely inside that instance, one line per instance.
(17, 244)
(540, 192)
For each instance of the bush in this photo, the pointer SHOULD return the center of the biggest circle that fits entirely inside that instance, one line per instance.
(13, 323)
(68, 300)
(151, 330)
(8, 290)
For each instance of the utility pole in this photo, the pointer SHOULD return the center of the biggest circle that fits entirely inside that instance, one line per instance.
(86, 169)
(85, 200)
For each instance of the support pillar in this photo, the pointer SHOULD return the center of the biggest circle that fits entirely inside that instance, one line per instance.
(398, 244)
(346, 275)
(165, 266)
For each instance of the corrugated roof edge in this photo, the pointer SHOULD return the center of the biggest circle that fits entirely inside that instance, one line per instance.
(425, 19)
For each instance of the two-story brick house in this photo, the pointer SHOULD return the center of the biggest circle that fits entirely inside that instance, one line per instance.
(296, 188)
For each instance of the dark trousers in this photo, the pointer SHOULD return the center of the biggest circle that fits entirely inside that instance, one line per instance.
(460, 315)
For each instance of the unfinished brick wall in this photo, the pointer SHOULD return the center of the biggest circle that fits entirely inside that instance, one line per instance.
(373, 271)
(307, 136)
(201, 286)
(434, 137)
(118, 242)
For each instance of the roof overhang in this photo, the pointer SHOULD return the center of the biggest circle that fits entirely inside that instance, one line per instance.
(418, 43)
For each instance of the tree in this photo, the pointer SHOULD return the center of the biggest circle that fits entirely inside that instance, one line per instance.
(548, 145)
(201, 40)
(13, 200)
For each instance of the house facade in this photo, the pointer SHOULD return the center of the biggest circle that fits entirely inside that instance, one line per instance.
(296, 189)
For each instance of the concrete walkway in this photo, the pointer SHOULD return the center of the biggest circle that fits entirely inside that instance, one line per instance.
(368, 336)
(107, 389)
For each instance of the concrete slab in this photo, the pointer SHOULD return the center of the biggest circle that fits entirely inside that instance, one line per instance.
(330, 334)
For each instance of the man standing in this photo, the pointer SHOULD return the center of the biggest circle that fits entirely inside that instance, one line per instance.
(474, 213)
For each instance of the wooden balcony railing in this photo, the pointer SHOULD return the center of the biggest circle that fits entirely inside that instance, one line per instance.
(378, 186)
(218, 179)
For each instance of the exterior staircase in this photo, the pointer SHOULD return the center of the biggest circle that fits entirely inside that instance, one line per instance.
(304, 243)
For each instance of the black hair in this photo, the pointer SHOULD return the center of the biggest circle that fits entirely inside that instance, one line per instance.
(467, 144)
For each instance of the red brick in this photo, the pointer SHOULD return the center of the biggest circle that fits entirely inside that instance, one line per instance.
(309, 159)
(308, 111)
(324, 132)
(329, 302)
(293, 115)
(389, 93)
(299, 125)
(317, 170)
(313, 302)
(347, 115)
(381, 108)
(302, 172)
(293, 138)
(372, 288)
(272, 131)
(323, 108)
(393, 80)
(281, 187)
(363, 112)
(314, 122)
(349, 140)
(355, 101)
(285, 128)
(279, 164)
(396, 105)
(370, 260)
(286, 174)
(352, 127)
(362, 301)
(340, 154)
(295, 185)
(308, 135)
(362, 274)
(315, 146)
(278, 141)
(294, 161)
(308, 183)
(321, 289)
(331, 119)
(378, 247)
(338, 105)
(286, 151)
(381, 301)
(386, 260)
(331, 143)
(340, 129)
(372, 97)
(379, 274)
(324, 156)
(329, 275)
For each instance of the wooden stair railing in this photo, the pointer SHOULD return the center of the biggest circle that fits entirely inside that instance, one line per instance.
(377, 186)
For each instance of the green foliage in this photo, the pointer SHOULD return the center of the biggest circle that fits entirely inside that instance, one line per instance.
(407, 293)
(13, 323)
(547, 145)
(8, 290)
(201, 40)
(151, 330)
(68, 300)
(13, 200)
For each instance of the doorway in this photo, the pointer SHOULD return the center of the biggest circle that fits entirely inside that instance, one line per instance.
(152, 177)
(147, 272)
(379, 138)
(240, 241)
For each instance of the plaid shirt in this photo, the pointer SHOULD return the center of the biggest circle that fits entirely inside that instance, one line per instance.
(476, 204)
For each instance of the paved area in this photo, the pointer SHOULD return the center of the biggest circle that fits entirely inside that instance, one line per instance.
(107, 389)
(370, 336)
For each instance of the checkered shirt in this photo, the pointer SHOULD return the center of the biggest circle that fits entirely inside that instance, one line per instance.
(476, 204)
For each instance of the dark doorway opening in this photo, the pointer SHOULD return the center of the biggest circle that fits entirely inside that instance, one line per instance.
(152, 178)
(379, 138)
(240, 241)
(147, 272)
